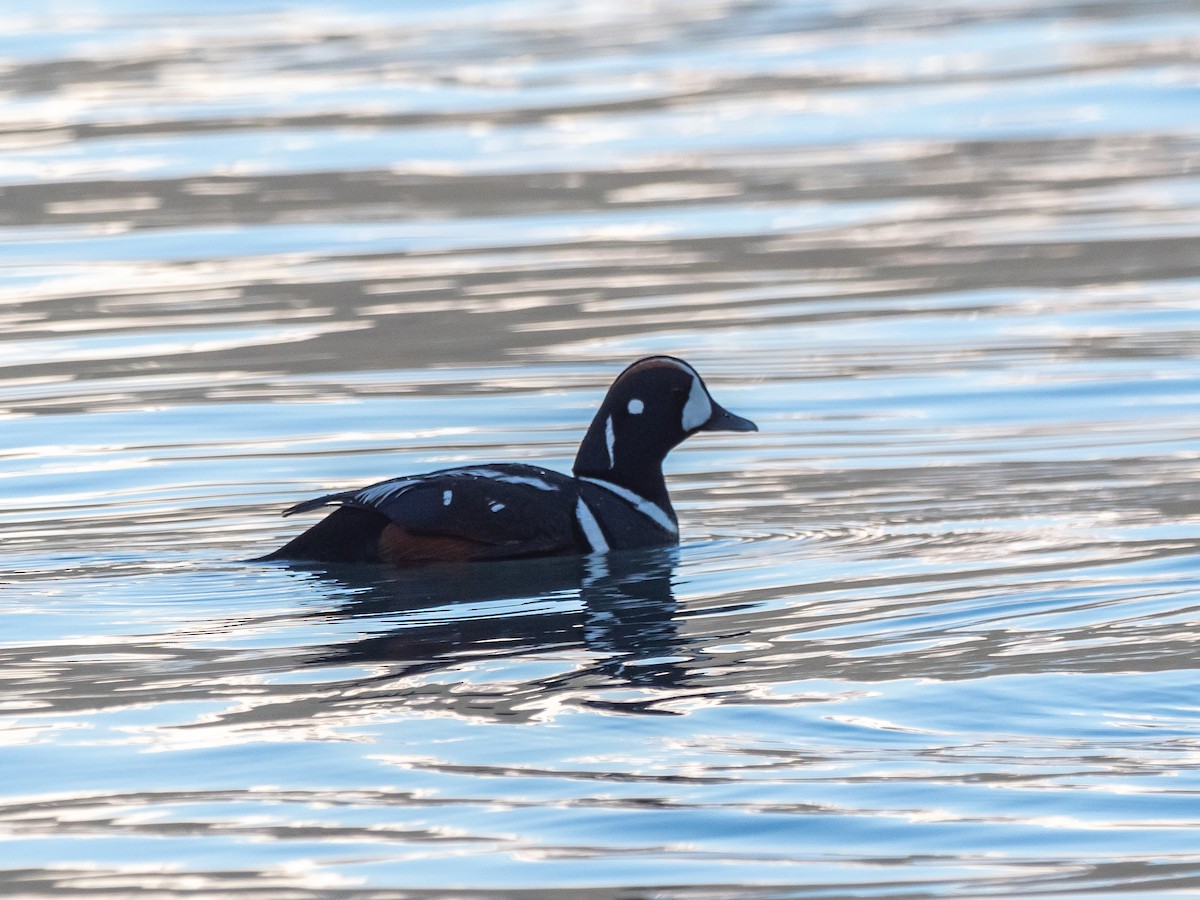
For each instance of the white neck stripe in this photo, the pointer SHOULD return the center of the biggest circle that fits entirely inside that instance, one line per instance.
(641, 504)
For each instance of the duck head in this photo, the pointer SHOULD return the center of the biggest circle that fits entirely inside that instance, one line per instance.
(652, 407)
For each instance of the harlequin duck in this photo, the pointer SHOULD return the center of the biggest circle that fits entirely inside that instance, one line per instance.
(616, 500)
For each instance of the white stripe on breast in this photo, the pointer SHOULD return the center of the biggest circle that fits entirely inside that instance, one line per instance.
(641, 504)
(591, 528)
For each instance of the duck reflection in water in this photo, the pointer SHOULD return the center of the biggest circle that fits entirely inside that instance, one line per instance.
(618, 606)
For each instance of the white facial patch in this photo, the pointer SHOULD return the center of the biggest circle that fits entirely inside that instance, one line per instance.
(698, 408)
(636, 407)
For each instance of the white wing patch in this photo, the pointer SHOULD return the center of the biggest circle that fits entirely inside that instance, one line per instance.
(609, 440)
(506, 477)
(384, 491)
(378, 494)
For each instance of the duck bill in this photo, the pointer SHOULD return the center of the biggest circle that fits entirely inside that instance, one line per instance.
(723, 420)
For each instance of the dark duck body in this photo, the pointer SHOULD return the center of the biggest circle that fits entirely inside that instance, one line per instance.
(617, 498)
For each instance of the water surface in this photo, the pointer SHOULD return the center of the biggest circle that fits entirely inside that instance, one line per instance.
(932, 632)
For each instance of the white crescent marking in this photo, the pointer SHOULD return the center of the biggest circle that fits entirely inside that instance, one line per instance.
(698, 408)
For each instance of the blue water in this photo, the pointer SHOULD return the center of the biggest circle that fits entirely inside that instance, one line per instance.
(931, 632)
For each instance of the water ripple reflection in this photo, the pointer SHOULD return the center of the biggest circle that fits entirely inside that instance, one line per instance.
(932, 633)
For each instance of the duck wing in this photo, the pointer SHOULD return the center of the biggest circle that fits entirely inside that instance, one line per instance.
(506, 509)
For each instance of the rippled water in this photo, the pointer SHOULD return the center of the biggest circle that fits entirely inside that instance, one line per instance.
(932, 633)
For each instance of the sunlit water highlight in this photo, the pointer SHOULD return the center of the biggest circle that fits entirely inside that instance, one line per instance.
(932, 632)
